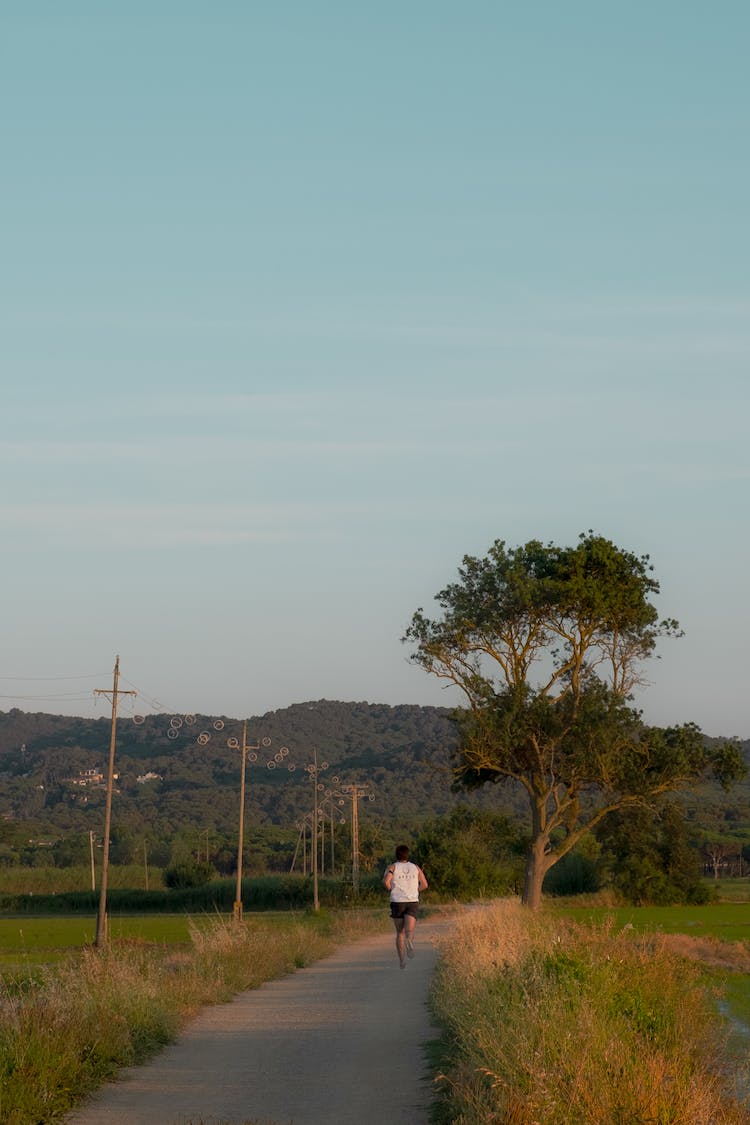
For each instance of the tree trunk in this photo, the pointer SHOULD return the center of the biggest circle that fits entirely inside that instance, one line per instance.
(538, 863)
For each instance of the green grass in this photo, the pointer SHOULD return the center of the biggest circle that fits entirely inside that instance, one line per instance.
(40, 940)
(731, 890)
(727, 921)
(27, 941)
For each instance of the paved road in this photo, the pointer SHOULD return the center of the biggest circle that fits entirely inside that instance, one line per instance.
(338, 1043)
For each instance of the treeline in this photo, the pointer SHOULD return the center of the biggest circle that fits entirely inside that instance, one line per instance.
(177, 789)
(176, 804)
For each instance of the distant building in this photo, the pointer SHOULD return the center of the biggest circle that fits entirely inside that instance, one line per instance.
(150, 776)
(88, 777)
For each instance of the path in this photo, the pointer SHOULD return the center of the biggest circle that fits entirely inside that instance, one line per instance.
(338, 1043)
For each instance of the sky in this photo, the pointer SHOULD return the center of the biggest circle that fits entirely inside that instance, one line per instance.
(301, 303)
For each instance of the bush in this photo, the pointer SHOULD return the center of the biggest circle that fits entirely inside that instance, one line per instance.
(471, 853)
(191, 873)
(574, 874)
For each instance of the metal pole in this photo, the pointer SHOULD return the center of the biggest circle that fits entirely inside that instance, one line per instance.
(93, 869)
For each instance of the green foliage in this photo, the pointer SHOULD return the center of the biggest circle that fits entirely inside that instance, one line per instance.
(269, 892)
(191, 873)
(546, 643)
(403, 752)
(574, 874)
(471, 853)
(649, 856)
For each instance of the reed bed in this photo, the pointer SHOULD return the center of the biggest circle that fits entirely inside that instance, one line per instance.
(68, 1028)
(551, 1023)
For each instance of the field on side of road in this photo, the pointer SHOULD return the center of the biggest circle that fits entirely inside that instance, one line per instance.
(727, 921)
(550, 1021)
(30, 940)
(68, 1026)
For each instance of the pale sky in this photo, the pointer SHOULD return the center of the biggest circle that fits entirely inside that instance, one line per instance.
(302, 302)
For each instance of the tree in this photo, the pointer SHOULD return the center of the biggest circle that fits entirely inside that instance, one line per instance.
(547, 644)
(651, 857)
(470, 853)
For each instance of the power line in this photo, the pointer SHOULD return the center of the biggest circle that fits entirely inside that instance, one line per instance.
(78, 676)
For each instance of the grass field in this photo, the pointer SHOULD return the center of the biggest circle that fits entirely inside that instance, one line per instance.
(727, 921)
(28, 941)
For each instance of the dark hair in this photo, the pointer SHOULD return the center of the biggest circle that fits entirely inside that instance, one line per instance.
(402, 853)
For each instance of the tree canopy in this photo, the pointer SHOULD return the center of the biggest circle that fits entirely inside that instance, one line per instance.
(547, 644)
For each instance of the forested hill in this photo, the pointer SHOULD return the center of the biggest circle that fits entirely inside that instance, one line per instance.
(177, 771)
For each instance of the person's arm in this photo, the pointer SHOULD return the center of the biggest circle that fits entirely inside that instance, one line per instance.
(388, 877)
(423, 884)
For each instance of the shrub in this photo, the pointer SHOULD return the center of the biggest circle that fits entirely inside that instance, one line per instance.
(191, 873)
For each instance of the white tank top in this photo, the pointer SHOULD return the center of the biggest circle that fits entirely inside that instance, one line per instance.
(405, 884)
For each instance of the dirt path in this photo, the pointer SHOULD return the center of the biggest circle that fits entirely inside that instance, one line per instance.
(339, 1043)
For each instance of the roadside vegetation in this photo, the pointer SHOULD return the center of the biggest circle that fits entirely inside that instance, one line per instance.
(68, 1027)
(550, 1022)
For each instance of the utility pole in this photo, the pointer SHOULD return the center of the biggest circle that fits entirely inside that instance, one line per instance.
(314, 839)
(355, 792)
(241, 842)
(93, 869)
(101, 919)
(314, 769)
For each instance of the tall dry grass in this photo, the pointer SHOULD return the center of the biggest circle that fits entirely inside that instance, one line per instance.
(69, 1028)
(550, 1023)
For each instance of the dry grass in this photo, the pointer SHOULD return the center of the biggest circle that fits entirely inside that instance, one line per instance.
(66, 1031)
(548, 1023)
(724, 956)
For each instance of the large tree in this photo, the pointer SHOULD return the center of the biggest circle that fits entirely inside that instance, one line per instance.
(547, 644)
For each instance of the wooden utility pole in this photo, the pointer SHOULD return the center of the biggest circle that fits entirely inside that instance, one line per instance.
(101, 919)
(314, 841)
(241, 841)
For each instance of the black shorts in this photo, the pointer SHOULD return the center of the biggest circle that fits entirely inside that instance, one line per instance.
(400, 909)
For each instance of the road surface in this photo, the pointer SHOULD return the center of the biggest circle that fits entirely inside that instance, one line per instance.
(339, 1043)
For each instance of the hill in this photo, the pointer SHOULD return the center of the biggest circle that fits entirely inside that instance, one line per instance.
(178, 774)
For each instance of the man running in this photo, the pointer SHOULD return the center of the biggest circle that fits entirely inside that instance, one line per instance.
(404, 880)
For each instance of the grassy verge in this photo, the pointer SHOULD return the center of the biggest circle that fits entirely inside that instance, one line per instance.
(547, 1022)
(66, 1028)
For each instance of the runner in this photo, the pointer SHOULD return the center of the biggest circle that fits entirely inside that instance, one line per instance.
(404, 880)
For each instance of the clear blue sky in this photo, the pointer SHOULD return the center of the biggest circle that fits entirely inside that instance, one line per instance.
(302, 302)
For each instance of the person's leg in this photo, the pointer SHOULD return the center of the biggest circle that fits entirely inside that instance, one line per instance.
(400, 941)
(410, 923)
